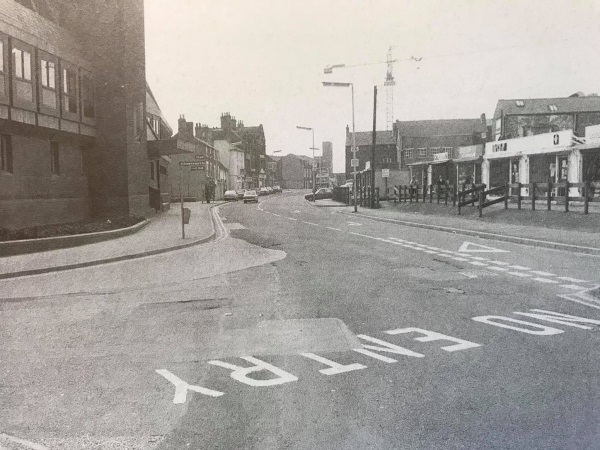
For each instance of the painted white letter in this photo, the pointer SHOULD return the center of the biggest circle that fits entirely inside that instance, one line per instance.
(429, 336)
(241, 373)
(181, 387)
(540, 330)
(334, 368)
(385, 347)
(563, 319)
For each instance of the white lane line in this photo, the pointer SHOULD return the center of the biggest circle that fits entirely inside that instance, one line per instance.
(362, 235)
(479, 258)
(572, 280)
(545, 280)
(291, 218)
(519, 274)
(311, 223)
(543, 274)
(431, 252)
(498, 269)
(477, 263)
(278, 215)
(573, 286)
(337, 229)
(456, 258)
(23, 442)
(520, 267)
(500, 263)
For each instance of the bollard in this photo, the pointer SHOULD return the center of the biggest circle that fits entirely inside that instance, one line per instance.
(567, 196)
(480, 206)
(533, 186)
(586, 198)
(549, 200)
(519, 195)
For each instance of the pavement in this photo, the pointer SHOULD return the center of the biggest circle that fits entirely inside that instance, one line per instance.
(162, 234)
(571, 231)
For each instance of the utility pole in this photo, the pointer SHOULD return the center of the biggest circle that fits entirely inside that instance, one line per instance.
(373, 203)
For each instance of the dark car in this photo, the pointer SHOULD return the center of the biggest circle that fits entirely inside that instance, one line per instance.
(320, 194)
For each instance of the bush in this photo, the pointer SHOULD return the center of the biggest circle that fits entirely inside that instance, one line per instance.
(68, 229)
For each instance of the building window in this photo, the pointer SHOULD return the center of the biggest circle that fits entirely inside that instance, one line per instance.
(69, 91)
(87, 97)
(155, 125)
(409, 153)
(6, 157)
(422, 152)
(22, 64)
(447, 150)
(48, 74)
(152, 170)
(553, 108)
(387, 160)
(54, 158)
(2, 56)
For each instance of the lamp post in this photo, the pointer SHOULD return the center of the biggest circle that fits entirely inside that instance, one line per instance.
(313, 161)
(351, 85)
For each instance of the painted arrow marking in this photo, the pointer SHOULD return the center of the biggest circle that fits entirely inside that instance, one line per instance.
(470, 247)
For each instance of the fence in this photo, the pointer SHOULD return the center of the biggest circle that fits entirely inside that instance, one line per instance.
(342, 194)
(442, 192)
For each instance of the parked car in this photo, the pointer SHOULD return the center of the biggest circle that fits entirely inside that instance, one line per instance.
(263, 191)
(277, 189)
(240, 193)
(270, 189)
(230, 195)
(320, 194)
(250, 196)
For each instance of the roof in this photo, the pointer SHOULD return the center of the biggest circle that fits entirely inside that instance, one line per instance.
(542, 105)
(366, 138)
(442, 127)
(153, 108)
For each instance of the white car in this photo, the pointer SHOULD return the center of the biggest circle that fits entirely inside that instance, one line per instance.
(230, 195)
(250, 196)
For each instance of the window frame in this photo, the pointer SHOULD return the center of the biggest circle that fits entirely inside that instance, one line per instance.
(64, 69)
(5, 68)
(21, 82)
(54, 158)
(409, 153)
(46, 90)
(6, 153)
(87, 94)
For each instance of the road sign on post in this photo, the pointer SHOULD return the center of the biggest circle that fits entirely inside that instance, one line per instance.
(354, 162)
(385, 173)
(192, 163)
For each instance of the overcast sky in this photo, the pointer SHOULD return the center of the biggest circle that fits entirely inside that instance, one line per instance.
(263, 60)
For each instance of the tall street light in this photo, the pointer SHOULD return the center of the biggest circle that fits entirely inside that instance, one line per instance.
(313, 161)
(354, 161)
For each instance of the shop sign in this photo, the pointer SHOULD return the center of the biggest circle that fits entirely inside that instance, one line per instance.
(441, 156)
(531, 144)
(471, 151)
(186, 146)
(592, 134)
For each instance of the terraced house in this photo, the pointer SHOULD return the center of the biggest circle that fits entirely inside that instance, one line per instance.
(72, 111)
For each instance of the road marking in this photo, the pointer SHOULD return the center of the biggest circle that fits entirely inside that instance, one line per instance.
(362, 235)
(23, 442)
(354, 224)
(498, 321)
(181, 387)
(383, 347)
(545, 280)
(479, 258)
(583, 298)
(241, 373)
(296, 211)
(573, 286)
(291, 218)
(520, 267)
(334, 368)
(560, 318)
(572, 280)
(278, 215)
(500, 263)
(499, 269)
(457, 258)
(543, 274)
(519, 274)
(430, 336)
(311, 223)
(337, 229)
(470, 247)
(477, 263)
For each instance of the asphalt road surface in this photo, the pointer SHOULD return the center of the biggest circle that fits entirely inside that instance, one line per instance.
(304, 328)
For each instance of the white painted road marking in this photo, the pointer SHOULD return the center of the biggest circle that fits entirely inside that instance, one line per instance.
(470, 247)
(334, 229)
(384, 347)
(498, 321)
(354, 224)
(181, 387)
(334, 368)
(430, 336)
(543, 274)
(241, 373)
(572, 280)
(311, 223)
(22, 442)
(545, 280)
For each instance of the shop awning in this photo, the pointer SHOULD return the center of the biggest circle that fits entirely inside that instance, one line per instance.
(443, 161)
(468, 160)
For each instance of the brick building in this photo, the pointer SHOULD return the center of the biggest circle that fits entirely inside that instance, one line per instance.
(72, 111)
(295, 171)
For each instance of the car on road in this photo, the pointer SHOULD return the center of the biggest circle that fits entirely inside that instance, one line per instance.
(263, 191)
(240, 193)
(277, 189)
(270, 189)
(320, 194)
(230, 196)
(250, 196)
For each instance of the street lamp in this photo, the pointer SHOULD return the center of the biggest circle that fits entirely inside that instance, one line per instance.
(351, 85)
(313, 161)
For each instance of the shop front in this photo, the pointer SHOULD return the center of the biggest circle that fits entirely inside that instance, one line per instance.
(468, 162)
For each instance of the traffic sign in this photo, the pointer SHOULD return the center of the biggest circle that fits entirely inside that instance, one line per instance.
(385, 173)
(192, 163)
(202, 157)
(354, 162)
(197, 168)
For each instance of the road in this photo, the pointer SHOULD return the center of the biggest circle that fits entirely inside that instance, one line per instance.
(304, 328)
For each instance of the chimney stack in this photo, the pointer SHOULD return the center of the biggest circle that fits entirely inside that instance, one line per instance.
(181, 124)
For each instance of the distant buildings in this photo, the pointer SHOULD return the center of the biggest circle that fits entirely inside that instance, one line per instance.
(295, 171)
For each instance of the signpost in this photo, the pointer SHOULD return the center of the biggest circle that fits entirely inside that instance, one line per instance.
(193, 165)
(354, 162)
(385, 173)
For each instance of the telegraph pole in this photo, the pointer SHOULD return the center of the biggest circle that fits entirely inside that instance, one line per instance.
(373, 203)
